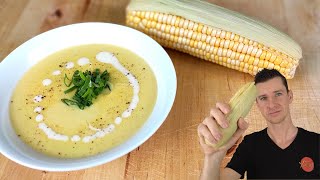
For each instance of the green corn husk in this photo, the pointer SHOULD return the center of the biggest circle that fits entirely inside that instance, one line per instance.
(240, 104)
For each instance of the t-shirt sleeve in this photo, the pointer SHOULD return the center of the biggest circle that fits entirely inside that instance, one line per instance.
(240, 159)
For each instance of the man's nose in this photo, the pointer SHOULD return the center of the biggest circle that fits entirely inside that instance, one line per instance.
(271, 102)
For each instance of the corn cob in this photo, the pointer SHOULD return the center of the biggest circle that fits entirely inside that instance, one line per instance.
(215, 34)
(240, 104)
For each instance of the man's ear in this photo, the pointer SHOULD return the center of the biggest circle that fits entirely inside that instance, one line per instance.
(290, 94)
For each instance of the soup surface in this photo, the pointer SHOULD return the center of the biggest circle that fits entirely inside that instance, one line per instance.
(44, 122)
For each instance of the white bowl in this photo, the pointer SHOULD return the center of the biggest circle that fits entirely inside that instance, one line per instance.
(21, 59)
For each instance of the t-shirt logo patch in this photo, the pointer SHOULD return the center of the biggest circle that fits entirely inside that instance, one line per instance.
(307, 164)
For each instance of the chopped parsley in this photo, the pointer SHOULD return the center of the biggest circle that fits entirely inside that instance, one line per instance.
(88, 85)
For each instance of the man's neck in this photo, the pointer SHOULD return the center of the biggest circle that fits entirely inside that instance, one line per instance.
(282, 134)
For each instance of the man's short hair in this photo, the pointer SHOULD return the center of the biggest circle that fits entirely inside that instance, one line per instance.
(267, 74)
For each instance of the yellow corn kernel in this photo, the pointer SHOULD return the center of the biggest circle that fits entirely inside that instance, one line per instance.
(251, 59)
(260, 64)
(200, 28)
(263, 55)
(217, 43)
(278, 60)
(268, 56)
(284, 64)
(265, 64)
(236, 38)
(273, 58)
(241, 64)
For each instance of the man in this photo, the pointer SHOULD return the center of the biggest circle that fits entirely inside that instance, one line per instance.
(279, 151)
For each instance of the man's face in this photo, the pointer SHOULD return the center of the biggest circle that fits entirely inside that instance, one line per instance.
(273, 100)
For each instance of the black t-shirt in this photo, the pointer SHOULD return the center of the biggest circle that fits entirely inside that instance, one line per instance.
(263, 159)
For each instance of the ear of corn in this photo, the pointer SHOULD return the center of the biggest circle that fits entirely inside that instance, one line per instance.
(215, 34)
(240, 104)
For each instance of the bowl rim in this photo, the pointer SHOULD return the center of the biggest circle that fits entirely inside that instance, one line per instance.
(170, 95)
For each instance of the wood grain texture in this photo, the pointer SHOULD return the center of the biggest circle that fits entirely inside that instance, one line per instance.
(173, 151)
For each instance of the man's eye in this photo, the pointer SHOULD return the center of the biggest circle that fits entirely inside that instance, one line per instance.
(278, 94)
(262, 98)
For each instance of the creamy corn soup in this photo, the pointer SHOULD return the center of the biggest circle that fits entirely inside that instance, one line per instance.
(44, 122)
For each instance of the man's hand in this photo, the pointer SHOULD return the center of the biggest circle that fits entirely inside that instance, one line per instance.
(209, 130)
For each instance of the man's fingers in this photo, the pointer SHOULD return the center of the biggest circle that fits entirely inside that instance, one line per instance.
(206, 148)
(219, 117)
(213, 127)
(203, 131)
(203, 142)
(224, 107)
(242, 126)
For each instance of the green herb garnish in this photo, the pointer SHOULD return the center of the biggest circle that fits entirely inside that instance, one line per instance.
(88, 86)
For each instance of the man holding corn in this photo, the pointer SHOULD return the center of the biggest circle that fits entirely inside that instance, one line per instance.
(279, 151)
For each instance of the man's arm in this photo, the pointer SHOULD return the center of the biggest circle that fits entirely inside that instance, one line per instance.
(229, 173)
(208, 130)
(211, 169)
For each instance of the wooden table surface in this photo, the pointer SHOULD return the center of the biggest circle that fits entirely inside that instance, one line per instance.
(173, 151)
